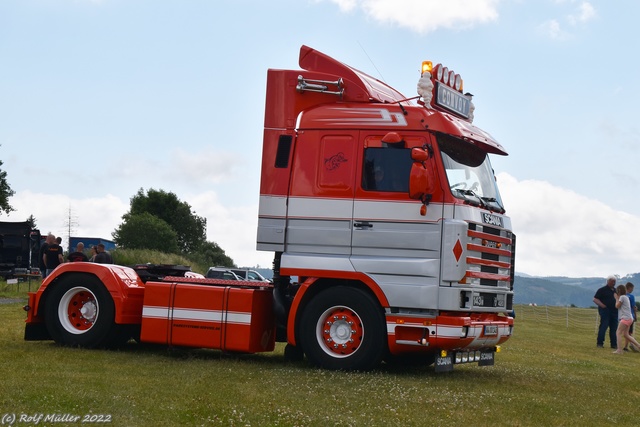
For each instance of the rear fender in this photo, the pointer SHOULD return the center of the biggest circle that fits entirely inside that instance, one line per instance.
(124, 285)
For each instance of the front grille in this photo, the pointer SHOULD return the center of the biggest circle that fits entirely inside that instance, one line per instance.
(490, 255)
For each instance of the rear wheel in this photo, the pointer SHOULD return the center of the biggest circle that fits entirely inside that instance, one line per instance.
(80, 312)
(343, 328)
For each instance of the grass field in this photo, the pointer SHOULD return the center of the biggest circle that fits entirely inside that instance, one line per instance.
(549, 374)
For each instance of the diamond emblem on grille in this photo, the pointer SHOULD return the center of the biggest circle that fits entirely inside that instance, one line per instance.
(457, 250)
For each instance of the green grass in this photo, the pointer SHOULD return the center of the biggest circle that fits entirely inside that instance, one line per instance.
(547, 374)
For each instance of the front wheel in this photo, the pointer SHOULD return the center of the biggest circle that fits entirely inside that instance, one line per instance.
(80, 312)
(343, 328)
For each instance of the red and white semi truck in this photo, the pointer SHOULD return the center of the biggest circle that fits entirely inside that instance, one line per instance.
(387, 211)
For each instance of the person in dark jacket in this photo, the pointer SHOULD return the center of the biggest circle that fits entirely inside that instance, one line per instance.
(103, 257)
(43, 248)
(52, 255)
(605, 299)
(78, 255)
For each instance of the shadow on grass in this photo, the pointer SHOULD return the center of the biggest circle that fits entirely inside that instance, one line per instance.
(400, 367)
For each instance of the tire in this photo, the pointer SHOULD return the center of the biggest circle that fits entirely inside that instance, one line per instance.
(343, 328)
(80, 312)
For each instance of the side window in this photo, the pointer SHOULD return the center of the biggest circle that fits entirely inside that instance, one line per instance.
(386, 169)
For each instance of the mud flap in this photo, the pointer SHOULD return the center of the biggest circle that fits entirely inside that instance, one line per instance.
(487, 358)
(36, 332)
(444, 364)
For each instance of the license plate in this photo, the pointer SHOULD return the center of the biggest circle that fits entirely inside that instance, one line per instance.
(491, 330)
(488, 300)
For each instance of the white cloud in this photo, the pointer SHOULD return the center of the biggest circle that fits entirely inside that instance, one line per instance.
(552, 30)
(89, 217)
(586, 12)
(346, 5)
(424, 16)
(560, 232)
(206, 166)
(233, 228)
(582, 14)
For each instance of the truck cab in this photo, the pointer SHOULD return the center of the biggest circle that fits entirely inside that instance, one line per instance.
(395, 201)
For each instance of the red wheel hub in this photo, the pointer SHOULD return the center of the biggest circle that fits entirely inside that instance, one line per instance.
(82, 310)
(342, 331)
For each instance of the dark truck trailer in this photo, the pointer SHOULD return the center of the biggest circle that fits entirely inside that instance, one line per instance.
(19, 248)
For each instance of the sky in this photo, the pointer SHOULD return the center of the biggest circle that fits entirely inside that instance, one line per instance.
(100, 98)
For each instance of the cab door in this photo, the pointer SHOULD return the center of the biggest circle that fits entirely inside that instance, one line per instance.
(391, 240)
(320, 205)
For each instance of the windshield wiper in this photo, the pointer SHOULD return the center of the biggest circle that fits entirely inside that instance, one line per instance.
(500, 209)
(483, 201)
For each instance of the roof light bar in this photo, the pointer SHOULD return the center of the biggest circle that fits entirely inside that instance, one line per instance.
(446, 76)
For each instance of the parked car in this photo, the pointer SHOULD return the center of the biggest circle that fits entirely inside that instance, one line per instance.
(222, 273)
(246, 274)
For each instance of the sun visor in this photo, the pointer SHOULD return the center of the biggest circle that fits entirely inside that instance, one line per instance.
(446, 123)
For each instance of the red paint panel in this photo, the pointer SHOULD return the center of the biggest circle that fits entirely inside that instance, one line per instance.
(217, 317)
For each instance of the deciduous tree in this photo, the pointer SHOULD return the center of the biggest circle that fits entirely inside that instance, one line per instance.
(213, 255)
(5, 192)
(189, 227)
(146, 231)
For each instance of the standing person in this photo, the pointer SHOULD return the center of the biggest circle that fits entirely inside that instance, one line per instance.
(78, 255)
(626, 320)
(43, 248)
(94, 252)
(53, 256)
(634, 311)
(103, 257)
(606, 301)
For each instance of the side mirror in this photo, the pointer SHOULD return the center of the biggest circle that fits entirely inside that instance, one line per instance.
(419, 155)
(418, 181)
(421, 179)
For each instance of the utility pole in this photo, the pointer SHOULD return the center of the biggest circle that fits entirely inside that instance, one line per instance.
(69, 224)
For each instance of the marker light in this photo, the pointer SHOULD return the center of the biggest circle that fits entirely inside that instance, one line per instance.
(443, 75)
(427, 67)
(438, 71)
(458, 84)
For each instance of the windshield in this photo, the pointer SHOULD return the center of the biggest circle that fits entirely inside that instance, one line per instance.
(469, 173)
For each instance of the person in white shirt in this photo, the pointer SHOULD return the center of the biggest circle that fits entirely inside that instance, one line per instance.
(625, 320)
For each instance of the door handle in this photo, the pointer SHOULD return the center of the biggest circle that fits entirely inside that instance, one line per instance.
(363, 224)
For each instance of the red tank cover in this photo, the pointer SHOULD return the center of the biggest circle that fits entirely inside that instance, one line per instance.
(217, 317)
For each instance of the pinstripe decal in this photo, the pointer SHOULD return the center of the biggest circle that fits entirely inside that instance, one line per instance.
(214, 316)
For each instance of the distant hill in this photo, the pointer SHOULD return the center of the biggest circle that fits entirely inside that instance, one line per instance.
(556, 290)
